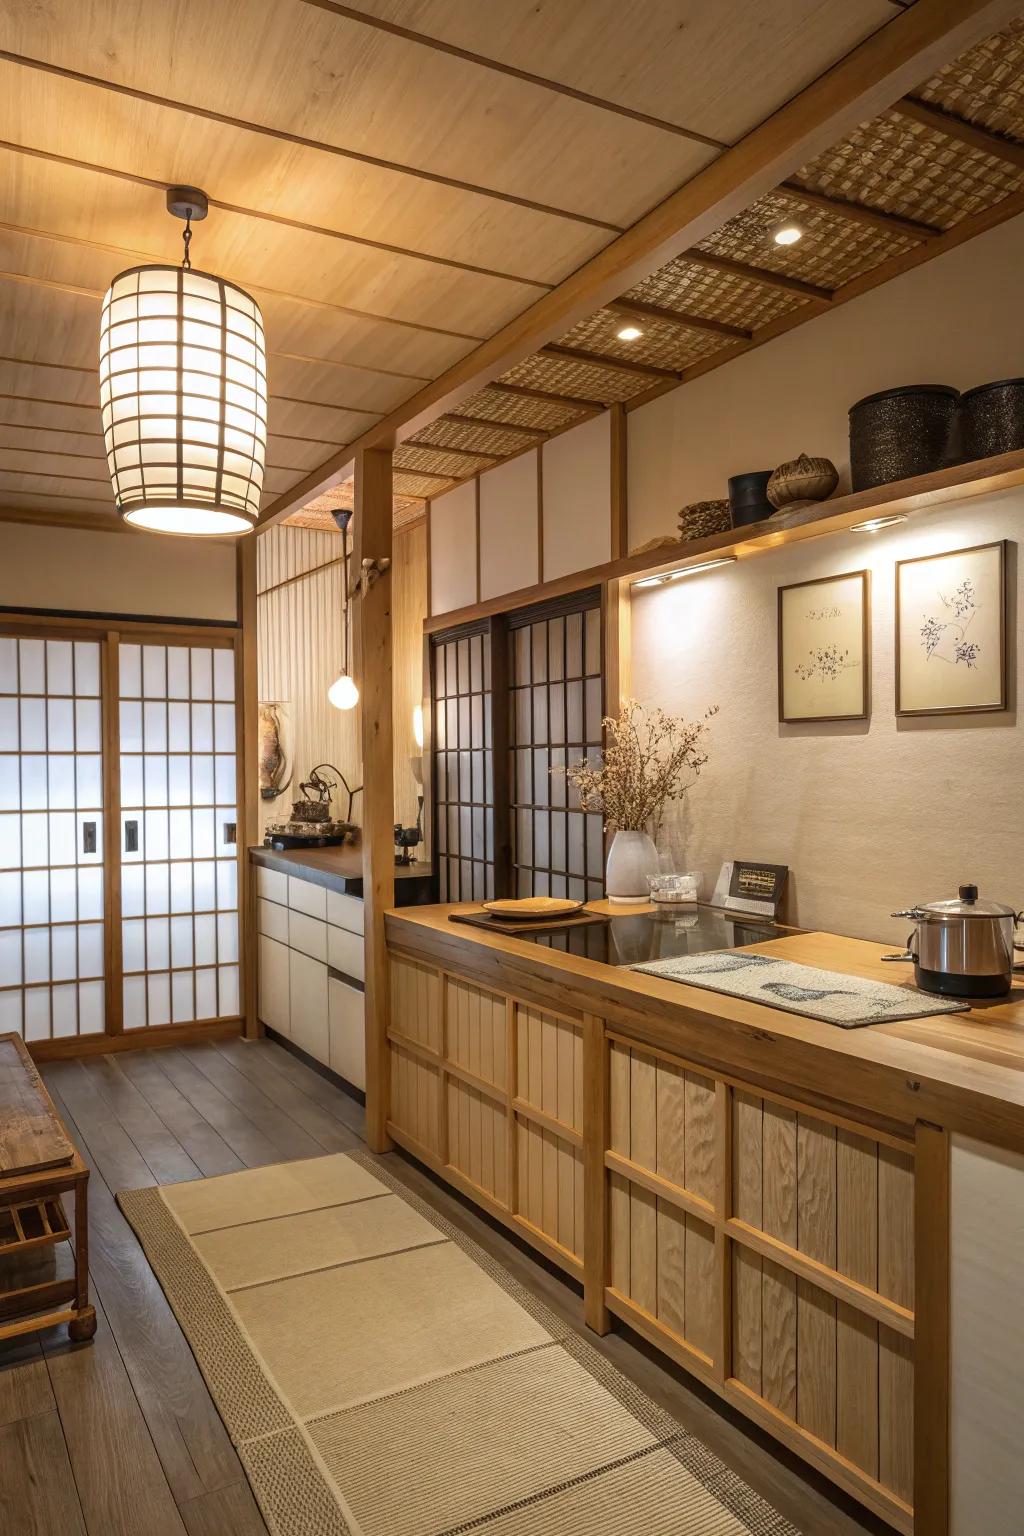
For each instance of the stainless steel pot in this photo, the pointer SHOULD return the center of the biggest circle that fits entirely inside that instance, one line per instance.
(962, 947)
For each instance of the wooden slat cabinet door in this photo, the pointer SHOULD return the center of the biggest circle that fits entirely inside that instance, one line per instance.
(548, 1105)
(415, 1043)
(477, 1119)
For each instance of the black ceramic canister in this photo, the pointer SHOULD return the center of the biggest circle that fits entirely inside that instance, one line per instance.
(748, 497)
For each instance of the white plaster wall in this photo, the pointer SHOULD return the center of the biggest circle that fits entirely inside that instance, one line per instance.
(987, 1340)
(508, 526)
(75, 570)
(869, 815)
(957, 320)
(453, 534)
(576, 496)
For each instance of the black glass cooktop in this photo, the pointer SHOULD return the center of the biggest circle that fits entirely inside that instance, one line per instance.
(636, 938)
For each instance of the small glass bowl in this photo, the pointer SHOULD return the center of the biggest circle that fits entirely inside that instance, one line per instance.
(675, 890)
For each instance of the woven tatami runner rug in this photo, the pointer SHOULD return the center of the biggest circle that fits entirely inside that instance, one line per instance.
(381, 1376)
(848, 1001)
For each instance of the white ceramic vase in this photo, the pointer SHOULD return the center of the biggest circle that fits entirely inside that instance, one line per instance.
(632, 858)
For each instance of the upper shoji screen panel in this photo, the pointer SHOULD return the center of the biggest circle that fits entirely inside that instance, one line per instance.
(464, 766)
(52, 952)
(179, 818)
(555, 686)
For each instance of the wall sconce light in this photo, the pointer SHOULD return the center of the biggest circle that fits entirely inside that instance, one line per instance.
(687, 570)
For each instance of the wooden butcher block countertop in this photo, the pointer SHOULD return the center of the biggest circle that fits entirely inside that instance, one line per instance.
(963, 1071)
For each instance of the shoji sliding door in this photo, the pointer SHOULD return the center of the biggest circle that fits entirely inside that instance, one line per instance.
(179, 818)
(52, 938)
(119, 854)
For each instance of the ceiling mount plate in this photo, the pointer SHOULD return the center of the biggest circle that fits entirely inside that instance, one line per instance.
(187, 203)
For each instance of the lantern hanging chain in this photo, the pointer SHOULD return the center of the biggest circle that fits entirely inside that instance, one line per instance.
(186, 236)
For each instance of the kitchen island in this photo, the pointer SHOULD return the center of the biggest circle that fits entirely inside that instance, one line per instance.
(785, 1208)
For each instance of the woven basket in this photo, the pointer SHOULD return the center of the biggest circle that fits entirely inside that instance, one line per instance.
(703, 518)
(900, 433)
(992, 419)
(802, 479)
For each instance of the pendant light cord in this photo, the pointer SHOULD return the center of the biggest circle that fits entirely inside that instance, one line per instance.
(348, 603)
(186, 260)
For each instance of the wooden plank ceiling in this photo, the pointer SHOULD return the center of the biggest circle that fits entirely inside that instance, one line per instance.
(401, 181)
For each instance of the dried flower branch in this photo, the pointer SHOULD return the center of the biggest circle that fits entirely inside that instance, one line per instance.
(642, 767)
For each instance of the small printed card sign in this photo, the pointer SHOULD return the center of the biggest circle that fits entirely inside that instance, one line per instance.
(951, 632)
(823, 649)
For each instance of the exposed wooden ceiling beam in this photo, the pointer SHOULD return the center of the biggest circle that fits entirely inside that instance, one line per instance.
(606, 360)
(501, 426)
(576, 402)
(995, 144)
(682, 318)
(763, 275)
(859, 213)
(192, 110)
(424, 474)
(459, 453)
(349, 13)
(866, 81)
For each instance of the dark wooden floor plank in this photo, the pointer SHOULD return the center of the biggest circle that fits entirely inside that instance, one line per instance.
(190, 1439)
(228, 1512)
(117, 1472)
(24, 1384)
(241, 1134)
(341, 1104)
(38, 1496)
(111, 1150)
(161, 1149)
(306, 1112)
(206, 1147)
(287, 1136)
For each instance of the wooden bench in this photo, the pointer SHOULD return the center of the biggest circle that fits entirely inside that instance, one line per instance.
(37, 1165)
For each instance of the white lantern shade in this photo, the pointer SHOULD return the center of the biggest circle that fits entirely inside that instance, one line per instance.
(183, 396)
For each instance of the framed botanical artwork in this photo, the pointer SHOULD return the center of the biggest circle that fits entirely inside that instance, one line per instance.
(824, 649)
(951, 632)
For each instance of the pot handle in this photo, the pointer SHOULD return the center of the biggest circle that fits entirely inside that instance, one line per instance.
(906, 955)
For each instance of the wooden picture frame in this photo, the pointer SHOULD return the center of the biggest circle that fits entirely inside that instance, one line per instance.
(814, 670)
(960, 638)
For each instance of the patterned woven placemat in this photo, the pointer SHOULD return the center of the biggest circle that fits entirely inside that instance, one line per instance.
(848, 1001)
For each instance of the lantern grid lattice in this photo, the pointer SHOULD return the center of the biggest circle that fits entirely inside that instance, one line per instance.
(183, 396)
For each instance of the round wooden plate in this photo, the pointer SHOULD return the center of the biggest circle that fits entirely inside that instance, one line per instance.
(535, 907)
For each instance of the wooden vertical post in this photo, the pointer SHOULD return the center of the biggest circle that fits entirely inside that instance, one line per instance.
(110, 695)
(931, 1330)
(615, 625)
(501, 774)
(372, 637)
(619, 487)
(596, 1141)
(723, 1246)
(247, 776)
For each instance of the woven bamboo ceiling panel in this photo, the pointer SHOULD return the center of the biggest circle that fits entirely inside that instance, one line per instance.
(563, 376)
(717, 295)
(341, 498)
(986, 84)
(434, 461)
(476, 437)
(516, 410)
(832, 252)
(663, 343)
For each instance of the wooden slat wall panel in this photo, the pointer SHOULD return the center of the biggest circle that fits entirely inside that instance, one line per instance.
(416, 1002)
(549, 1076)
(550, 1192)
(476, 1030)
(856, 1335)
(478, 1139)
(778, 1286)
(415, 1098)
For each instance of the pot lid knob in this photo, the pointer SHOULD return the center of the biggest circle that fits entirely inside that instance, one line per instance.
(968, 893)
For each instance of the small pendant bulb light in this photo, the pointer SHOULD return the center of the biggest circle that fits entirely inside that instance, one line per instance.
(343, 693)
(183, 393)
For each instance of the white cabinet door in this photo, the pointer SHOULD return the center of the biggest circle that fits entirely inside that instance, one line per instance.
(308, 996)
(308, 935)
(345, 952)
(306, 897)
(273, 920)
(274, 985)
(345, 911)
(272, 884)
(348, 1040)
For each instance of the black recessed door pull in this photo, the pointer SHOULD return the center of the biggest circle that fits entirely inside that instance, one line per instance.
(131, 837)
(88, 837)
(230, 832)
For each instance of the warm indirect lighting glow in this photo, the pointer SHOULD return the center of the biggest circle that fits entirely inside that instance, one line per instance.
(183, 396)
(343, 693)
(417, 725)
(874, 523)
(629, 333)
(687, 570)
(786, 233)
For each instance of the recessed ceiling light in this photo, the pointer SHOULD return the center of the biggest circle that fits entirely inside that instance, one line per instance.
(788, 232)
(629, 333)
(874, 523)
(687, 570)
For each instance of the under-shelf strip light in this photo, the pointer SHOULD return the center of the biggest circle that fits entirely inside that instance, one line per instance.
(687, 570)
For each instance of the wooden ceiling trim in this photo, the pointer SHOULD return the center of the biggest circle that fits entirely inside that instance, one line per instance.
(498, 426)
(859, 213)
(447, 448)
(764, 275)
(282, 135)
(402, 251)
(684, 319)
(606, 360)
(960, 129)
(865, 82)
(543, 82)
(134, 256)
(528, 392)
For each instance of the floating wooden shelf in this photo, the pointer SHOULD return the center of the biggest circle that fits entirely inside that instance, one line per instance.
(960, 482)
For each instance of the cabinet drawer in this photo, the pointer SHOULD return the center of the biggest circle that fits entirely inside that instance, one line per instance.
(272, 884)
(348, 1039)
(345, 952)
(308, 935)
(274, 920)
(305, 897)
(345, 911)
(273, 987)
(308, 1004)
